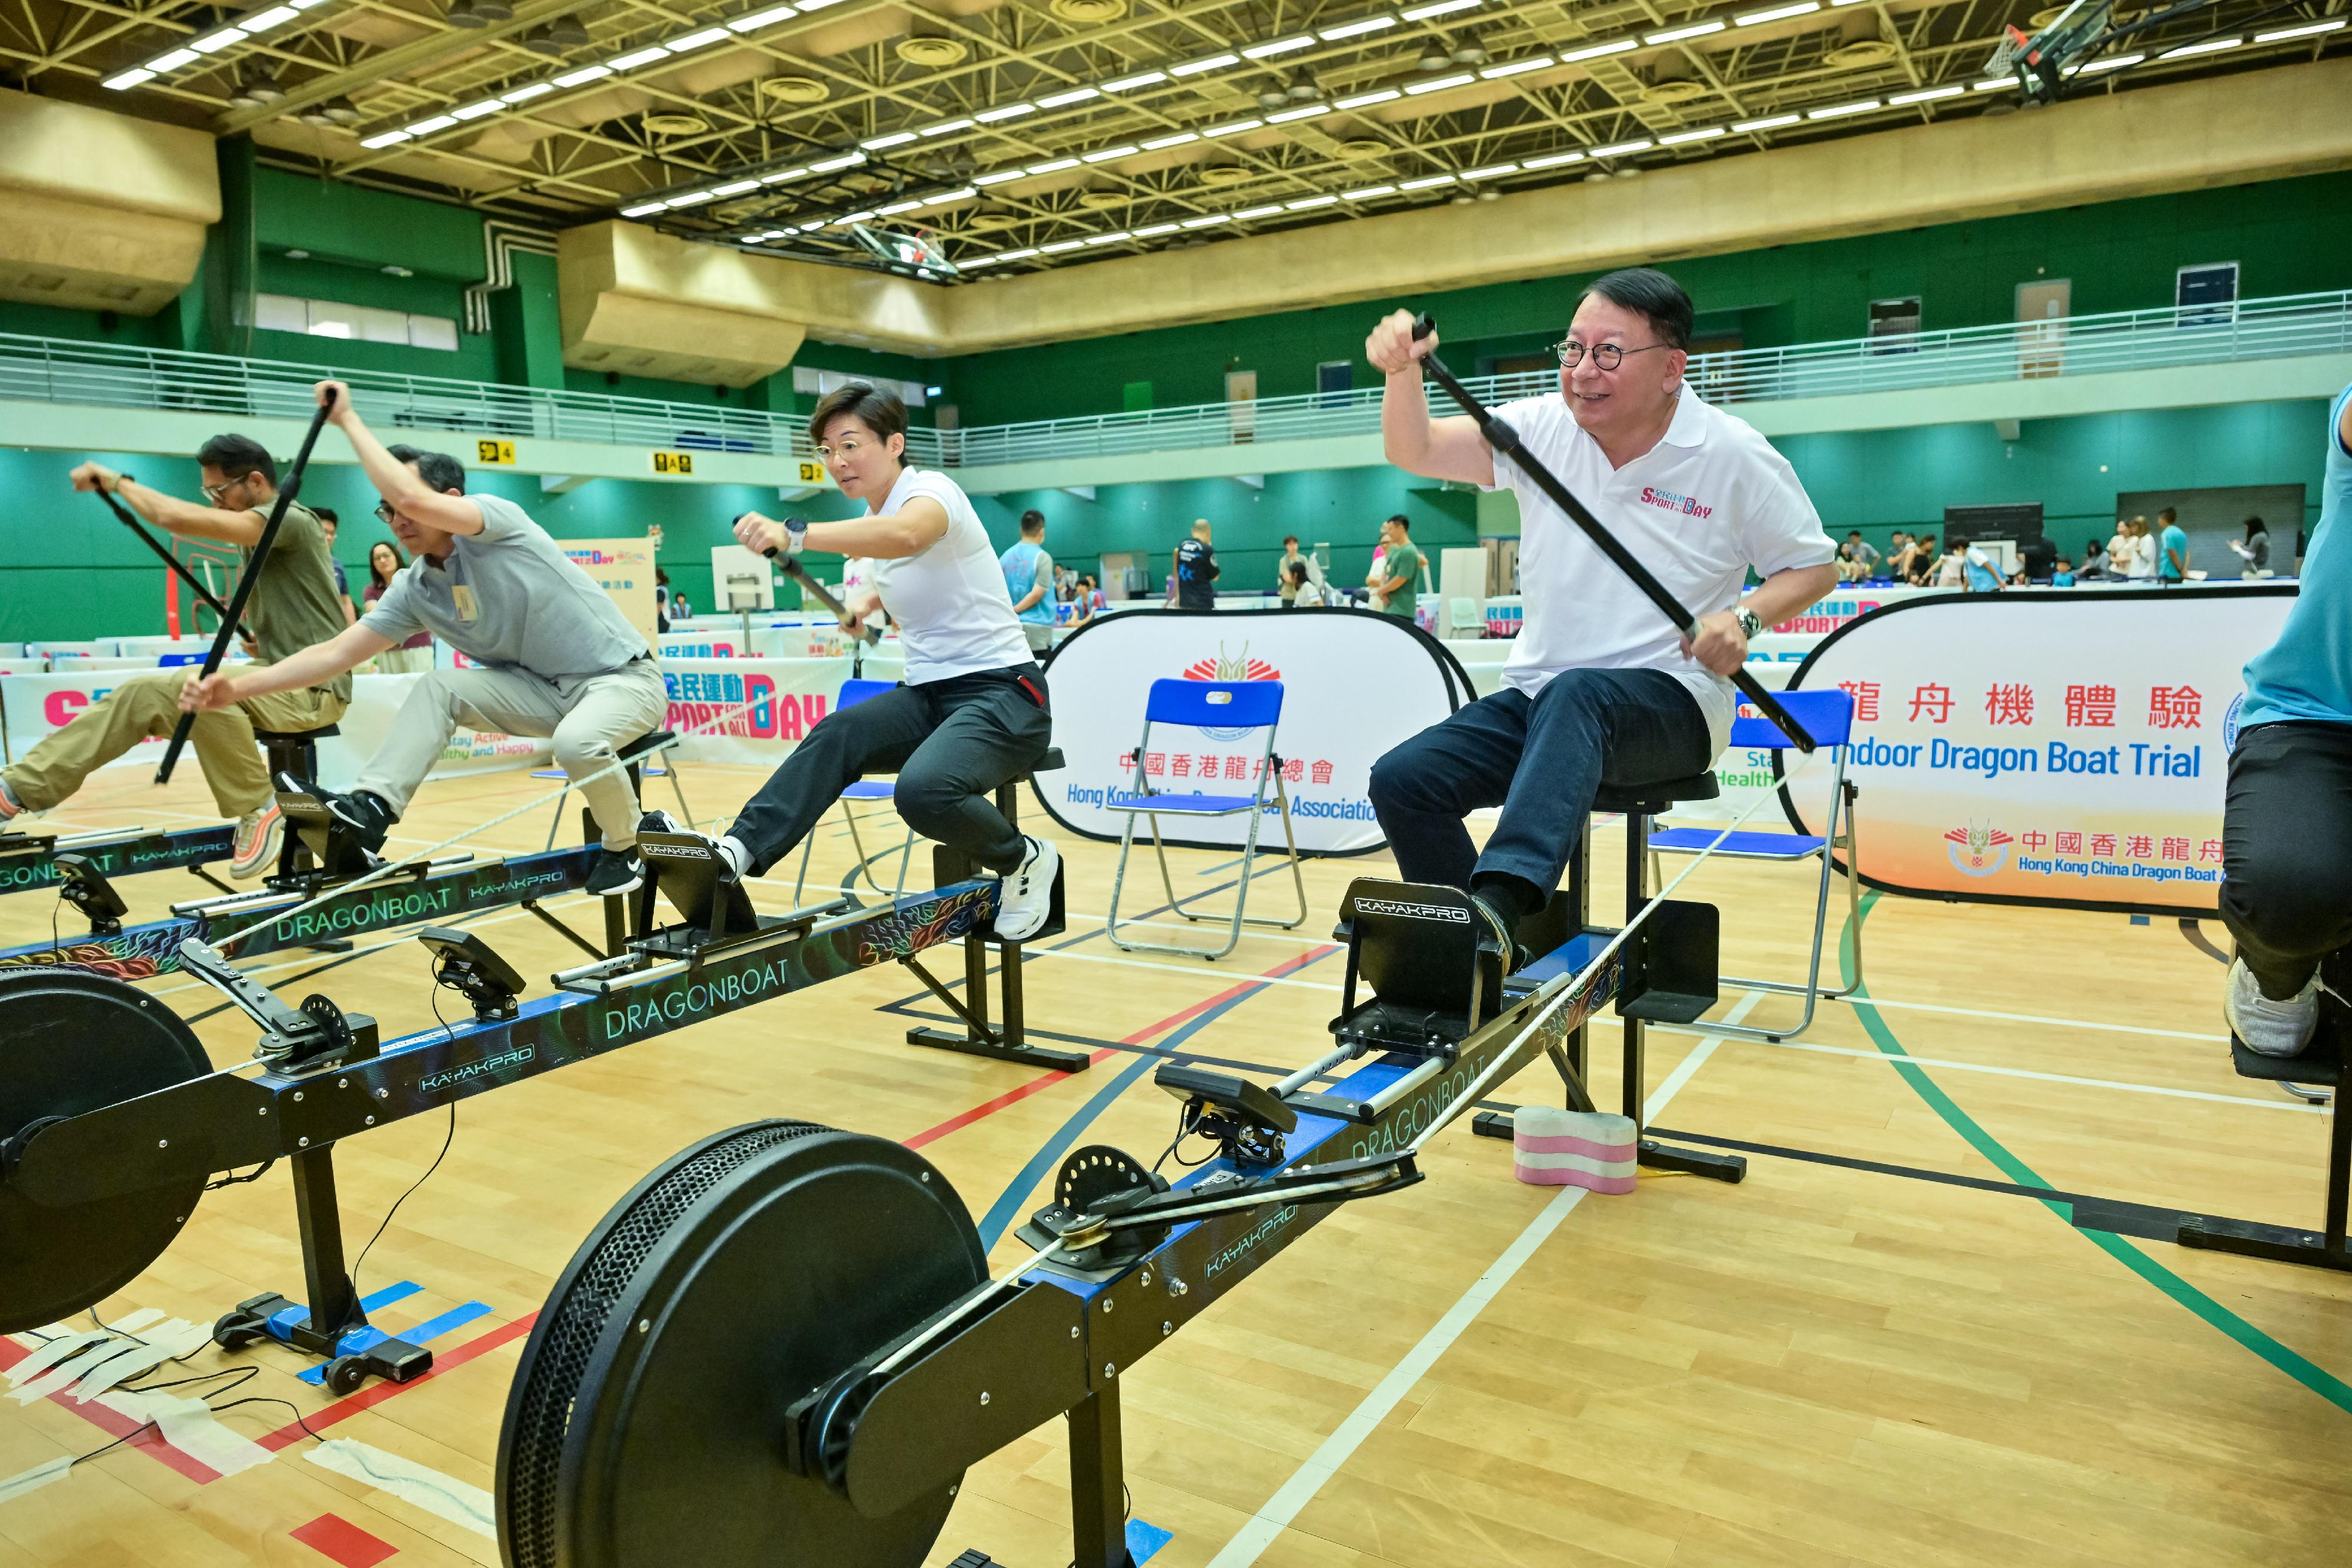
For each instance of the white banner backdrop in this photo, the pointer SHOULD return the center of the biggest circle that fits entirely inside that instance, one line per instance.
(1354, 685)
(2060, 747)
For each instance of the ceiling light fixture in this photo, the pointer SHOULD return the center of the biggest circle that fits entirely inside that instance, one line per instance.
(2210, 46)
(1440, 84)
(1140, 78)
(2308, 29)
(172, 61)
(1279, 47)
(1926, 95)
(643, 209)
(1682, 138)
(1064, 99)
(426, 127)
(1209, 221)
(1443, 9)
(1356, 29)
(1061, 246)
(476, 110)
(1054, 166)
(736, 188)
(847, 161)
(1364, 99)
(1107, 154)
(1287, 115)
(584, 74)
(1491, 170)
(1427, 182)
(999, 177)
(1009, 111)
(630, 62)
(702, 39)
(1675, 34)
(895, 139)
(1553, 160)
(1769, 122)
(212, 43)
(1159, 143)
(385, 139)
(1237, 126)
(953, 125)
(128, 78)
(1569, 56)
(1839, 111)
(1777, 14)
(1195, 67)
(1367, 193)
(1265, 211)
(1619, 149)
(1517, 67)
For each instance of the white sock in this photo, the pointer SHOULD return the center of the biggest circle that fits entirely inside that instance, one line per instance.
(737, 854)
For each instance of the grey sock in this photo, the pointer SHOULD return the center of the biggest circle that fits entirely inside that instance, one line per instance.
(737, 854)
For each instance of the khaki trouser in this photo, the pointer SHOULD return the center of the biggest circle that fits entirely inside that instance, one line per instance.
(147, 706)
(588, 718)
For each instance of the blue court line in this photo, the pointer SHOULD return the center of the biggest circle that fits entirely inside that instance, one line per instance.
(1007, 1208)
(430, 1328)
(1144, 1542)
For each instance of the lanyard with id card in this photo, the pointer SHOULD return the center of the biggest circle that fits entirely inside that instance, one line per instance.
(468, 609)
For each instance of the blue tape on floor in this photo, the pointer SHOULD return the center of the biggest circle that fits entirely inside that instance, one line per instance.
(282, 1321)
(430, 1328)
(1143, 1540)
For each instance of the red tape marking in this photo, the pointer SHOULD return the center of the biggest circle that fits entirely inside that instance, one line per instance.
(344, 1541)
(115, 1425)
(368, 1399)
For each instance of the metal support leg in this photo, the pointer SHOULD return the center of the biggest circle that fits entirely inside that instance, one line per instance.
(1098, 1482)
(334, 1303)
(1650, 1151)
(1006, 1044)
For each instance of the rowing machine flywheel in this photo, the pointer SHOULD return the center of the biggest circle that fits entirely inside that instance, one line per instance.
(72, 1042)
(645, 1424)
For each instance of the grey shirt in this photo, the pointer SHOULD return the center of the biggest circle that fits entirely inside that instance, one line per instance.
(509, 598)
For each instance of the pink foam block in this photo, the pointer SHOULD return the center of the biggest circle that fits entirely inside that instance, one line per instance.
(1590, 1149)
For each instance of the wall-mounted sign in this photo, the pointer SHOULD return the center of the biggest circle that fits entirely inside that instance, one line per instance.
(499, 452)
(673, 462)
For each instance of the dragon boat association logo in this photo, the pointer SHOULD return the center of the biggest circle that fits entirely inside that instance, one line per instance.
(2230, 724)
(1229, 667)
(1977, 852)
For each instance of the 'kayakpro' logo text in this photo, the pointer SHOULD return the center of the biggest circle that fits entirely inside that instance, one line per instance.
(1250, 1242)
(435, 1081)
(1440, 912)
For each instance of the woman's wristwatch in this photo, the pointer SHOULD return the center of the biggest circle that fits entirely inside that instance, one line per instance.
(796, 534)
(1750, 624)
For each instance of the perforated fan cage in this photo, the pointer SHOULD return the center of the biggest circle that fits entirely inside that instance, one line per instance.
(539, 1409)
(644, 1426)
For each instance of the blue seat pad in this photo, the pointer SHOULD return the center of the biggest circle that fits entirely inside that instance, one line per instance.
(1783, 846)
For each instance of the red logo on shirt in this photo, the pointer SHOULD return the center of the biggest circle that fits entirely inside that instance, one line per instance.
(1688, 504)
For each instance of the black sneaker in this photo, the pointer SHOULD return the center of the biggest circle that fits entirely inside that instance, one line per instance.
(367, 817)
(1500, 926)
(616, 871)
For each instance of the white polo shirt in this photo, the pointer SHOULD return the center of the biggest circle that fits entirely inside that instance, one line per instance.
(949, 599)
(1710, 500)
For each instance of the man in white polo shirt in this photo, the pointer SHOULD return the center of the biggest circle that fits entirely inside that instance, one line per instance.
(1600, 687)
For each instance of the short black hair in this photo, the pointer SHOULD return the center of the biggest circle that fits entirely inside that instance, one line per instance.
(438, 469)
(328, 515)
(1651, 295)
(237, 455)
(1290, 539)
(2168, 516)
(1032, 521)
(881, 411)
(1401, 520)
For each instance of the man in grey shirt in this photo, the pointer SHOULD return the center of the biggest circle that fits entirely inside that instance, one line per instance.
(555, 657)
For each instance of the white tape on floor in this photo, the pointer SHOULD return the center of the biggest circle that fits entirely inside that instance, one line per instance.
(39, 1476)
(429, 1490)
(166, 1342)
(1268, 1523)
(190, 1426)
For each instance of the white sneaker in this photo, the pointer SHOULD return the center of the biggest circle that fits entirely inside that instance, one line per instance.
(2270, 1028)
(258, 835)
(1028, 896)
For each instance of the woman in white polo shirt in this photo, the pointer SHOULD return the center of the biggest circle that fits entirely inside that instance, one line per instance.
(971, 713)
(1600, 687)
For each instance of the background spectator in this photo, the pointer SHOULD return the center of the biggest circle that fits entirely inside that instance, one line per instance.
(2172, 548)
(2256, 551)
(1283, 582)
(326, 525)
(1194, 573)
(1400, 571)
(415, 654)
(1924, 562)
(1860, 551)
(2061, 575)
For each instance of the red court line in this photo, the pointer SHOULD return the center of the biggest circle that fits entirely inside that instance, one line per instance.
(344, 1542)
(1014, 1096)
(116, 1425)
(369, 1398)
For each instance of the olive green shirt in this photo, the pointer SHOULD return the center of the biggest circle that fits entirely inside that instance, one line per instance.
(1402, 560)
(294, 604)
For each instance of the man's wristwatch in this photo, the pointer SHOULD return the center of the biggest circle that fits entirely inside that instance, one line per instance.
(1750, 624)
(796, 534)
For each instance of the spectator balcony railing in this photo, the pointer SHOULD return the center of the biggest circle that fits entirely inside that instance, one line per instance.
(2285, 326)
(106, 375)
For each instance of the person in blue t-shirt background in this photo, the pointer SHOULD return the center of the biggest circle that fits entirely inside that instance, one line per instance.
(2287, 830)
(1029, 579)
(2172, 548)
(1977, 573)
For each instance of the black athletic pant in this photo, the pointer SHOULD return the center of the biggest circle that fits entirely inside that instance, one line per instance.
(951, 743)
(2286, 851)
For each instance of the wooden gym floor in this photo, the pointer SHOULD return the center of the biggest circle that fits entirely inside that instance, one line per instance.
(1827, 1364)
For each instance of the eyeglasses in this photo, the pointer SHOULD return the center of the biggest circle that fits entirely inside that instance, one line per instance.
(1606, 356)
(213, 492)
(384, 511)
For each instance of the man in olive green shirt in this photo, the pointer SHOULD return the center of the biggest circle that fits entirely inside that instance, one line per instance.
(293, 605)
(1399, 582)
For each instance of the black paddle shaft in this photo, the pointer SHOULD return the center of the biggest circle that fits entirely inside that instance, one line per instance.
(1506, 441)
(791, 568)
(232, 616)
(211, 600)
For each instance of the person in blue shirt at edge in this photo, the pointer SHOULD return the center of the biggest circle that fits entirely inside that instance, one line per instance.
(2172, 545)
(1029, 579)
(2286, 823)
(1977, 573)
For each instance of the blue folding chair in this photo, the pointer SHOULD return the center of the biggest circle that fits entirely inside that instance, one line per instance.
(1828, 715)
(1229, 708)
(854, 692)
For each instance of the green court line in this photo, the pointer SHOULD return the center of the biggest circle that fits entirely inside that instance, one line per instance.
(2318, 1379)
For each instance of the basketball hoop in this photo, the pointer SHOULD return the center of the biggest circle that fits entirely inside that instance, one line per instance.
(917, 252)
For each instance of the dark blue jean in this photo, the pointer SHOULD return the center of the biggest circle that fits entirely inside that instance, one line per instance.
(1542, 760)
